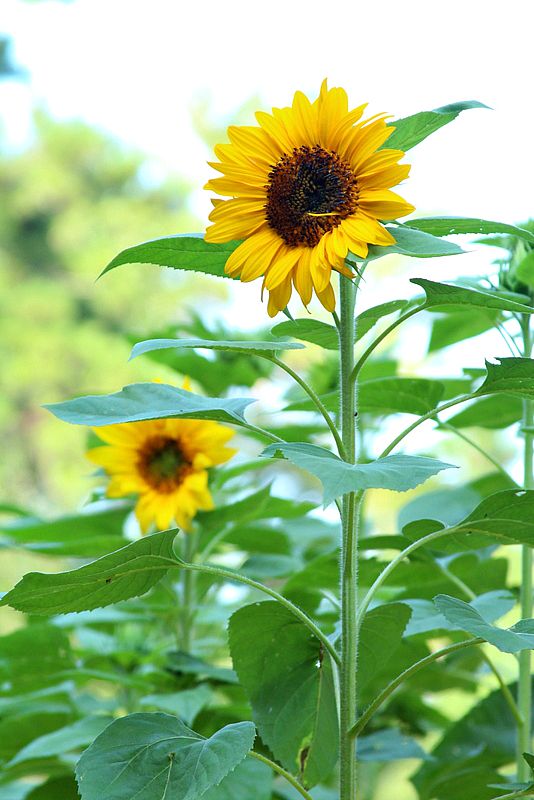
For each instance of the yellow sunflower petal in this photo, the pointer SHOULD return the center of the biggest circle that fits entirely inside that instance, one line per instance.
(385, 204)
(279, 271)
(279, 298)
(327, 298)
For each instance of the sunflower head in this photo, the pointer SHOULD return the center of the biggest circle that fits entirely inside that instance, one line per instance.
(304, 187)
(165, 463)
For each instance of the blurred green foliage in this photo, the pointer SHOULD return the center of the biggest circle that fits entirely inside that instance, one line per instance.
(70, 201)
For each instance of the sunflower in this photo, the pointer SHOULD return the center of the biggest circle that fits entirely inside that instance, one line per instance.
(165, 463)
(304, 187)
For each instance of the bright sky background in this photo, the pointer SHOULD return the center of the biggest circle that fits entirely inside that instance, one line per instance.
(136, 68)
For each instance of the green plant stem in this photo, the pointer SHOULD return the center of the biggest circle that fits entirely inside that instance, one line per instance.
(281, 771)
(349, 549)
(316, 401)
(188, 593)
(513, 795)
(374, 344)
(507, 694)
(272, 437)
(429, 415)
(390, 688)
(524, 691)
(228, 575)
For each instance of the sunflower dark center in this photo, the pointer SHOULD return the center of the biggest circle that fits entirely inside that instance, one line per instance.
(162, 463)
(310, 191)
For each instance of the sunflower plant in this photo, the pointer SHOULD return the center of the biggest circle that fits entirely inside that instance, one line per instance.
(344, 640)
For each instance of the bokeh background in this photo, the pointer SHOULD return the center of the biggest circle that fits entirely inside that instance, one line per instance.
(108, 113)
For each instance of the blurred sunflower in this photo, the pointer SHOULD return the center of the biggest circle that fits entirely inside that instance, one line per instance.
(305, 187)
(165, 463)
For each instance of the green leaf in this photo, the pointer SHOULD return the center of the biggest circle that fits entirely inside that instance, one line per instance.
(154, 756)
(509, 375)
(20, 669)
(397, 472)
(506, 517)
(399, 395)
(445, 294)
(129, 572)
(288, 679)
(447, 226)
(413, 243)
(524, 271)
(142, 401)
(380, 637)
(411, 130)
(485, 737)
(368, 318)
(491, 412)
(184, 251)
(459, 325)
(426, 617)
(98, 530)
(388, 745)
(261, 349)
(251, 779)
(510, 640)
(65, 740)
(185, 704)
(63, 786)
(309, 330)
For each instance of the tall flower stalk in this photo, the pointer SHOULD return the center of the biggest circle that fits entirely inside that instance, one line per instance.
(349, 548)
(524, 694)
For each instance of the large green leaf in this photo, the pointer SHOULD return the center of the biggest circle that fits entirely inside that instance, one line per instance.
(448, 295)
(155, 756)
(185, 704)
(97, 531)
(461, 324)
(142, 401)
(309, 330)
(380, 637)
(411, 130)
(409, 242)
(472, 749)
(446, 226)
(510, 640)
(288, 679)
(506, 517)
(72, 737)
(245, 348)
(493, 412)
(251, 779)
(399, 395)
(184, 251)
(19, 667)
(426, 618)
(397, 472)
(509, 375)
(129, 572)
(388, 745)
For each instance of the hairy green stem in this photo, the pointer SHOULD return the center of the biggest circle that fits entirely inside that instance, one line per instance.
(524, 691)
(316, 401)
(390, 688)
(349, 549)
(281, 771)
(228, 575)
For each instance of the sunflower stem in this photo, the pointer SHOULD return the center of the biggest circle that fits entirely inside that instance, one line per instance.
(524, 691)
(349, 548)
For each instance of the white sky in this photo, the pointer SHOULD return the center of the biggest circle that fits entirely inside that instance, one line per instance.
(134, 68)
